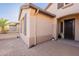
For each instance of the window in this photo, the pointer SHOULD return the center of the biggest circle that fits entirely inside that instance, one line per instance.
(60, 5)
(22, 21)
(67, 3)
(63, 5)
(61, 27)
(21, 27)
(25, 24)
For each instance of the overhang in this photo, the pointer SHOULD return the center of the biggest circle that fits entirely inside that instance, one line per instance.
(28, 5)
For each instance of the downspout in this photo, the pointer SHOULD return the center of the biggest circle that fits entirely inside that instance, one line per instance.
(36, 13)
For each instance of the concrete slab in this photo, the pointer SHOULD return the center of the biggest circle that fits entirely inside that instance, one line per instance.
(69, 42)
(16, 47)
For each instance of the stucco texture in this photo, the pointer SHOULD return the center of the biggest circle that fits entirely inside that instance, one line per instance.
(40, 27)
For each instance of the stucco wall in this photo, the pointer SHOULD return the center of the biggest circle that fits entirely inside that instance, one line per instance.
(65, 10)
(42, 27)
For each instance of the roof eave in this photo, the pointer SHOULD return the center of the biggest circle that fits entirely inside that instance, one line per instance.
(48, 6)
(25, 6)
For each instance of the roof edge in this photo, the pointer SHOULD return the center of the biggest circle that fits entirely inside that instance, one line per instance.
(48, 6)
(27, 5)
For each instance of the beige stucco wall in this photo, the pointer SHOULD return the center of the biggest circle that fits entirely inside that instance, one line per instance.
(41, 27)
(45, 28)
(76, 25)
(65, 10)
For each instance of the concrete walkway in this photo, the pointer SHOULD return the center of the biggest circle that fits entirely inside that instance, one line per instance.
(69, 42)
(16, 47)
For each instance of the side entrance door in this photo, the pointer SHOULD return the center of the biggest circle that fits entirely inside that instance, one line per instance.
(69, 29)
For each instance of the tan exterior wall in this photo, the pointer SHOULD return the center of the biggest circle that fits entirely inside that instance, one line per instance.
(76, 25)
(65, 10)
(42, 27)
(39, 28)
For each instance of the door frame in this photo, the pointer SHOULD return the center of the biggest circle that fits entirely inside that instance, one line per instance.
(73, 27)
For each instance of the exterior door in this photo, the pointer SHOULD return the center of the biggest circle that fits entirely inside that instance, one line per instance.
(69, 29)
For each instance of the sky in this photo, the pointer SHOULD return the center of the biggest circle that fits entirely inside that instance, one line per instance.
(10, 11)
